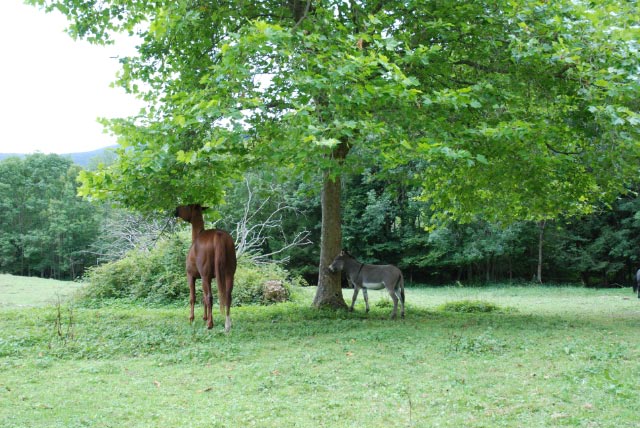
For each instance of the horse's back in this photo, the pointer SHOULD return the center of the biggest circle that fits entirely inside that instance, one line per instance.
(215, 246)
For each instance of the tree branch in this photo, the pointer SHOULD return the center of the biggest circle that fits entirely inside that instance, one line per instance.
(300, 17)
(482, 67)
(250, 238)
(560, 152)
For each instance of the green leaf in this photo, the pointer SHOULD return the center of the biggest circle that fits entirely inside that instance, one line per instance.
(482, 159)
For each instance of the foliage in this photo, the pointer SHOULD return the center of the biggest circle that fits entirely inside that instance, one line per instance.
(158, 275)
(45, 227)
(519, 111)
(561, 360)
(383, 223)
(470, 306)
(122, 230)
(600, 247)
(544, 91)
(263, 215)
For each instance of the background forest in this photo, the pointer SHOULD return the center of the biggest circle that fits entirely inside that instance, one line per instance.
(46, 230)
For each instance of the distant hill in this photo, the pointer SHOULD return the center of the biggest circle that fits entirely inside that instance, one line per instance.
(81, 159)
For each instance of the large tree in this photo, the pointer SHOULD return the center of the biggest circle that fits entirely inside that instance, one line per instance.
(516, 109)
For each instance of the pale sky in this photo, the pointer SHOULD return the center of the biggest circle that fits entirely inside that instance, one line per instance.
(52, 88)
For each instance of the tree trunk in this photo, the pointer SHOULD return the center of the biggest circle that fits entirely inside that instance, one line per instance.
(488, 274)
(540, 240)
(329, 291)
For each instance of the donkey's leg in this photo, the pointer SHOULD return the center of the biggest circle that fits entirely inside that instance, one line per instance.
(191, 280)
(356, 288)
(395, 303)
(400, 294)
(366, 298)
(207, 299)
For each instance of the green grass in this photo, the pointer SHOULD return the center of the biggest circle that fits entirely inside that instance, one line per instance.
(554, 357)
(20, 291)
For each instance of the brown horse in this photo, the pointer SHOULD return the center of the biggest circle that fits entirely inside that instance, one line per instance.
(212, 255)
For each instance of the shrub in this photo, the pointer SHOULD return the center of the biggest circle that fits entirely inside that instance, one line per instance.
(470, 306)
(158, 276)
(384, 303)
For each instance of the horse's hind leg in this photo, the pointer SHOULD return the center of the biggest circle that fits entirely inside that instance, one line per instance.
(207, 300)
(192, 296)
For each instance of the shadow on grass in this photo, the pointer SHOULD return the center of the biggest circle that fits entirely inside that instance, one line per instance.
(133, 331)
(287, 319)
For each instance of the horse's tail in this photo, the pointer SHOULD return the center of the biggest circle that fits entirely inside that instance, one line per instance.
(225, 269)
(222, 298)
(221, 269)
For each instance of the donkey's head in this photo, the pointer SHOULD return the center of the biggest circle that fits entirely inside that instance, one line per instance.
(338, 263)
(189, 212)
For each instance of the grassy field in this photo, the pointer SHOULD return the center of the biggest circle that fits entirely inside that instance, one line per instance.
(20, 291)
(549, 357)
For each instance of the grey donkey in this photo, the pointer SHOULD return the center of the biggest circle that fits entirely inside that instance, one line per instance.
(371, 277)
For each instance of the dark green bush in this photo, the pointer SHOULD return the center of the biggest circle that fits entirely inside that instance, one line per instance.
(158, 276)
(470, 306)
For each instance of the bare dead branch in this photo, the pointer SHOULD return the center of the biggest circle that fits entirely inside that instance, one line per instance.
(251, 235)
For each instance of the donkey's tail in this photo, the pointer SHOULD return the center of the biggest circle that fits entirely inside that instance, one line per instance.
(401, 283)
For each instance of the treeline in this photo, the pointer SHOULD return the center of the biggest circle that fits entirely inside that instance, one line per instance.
(47, 231)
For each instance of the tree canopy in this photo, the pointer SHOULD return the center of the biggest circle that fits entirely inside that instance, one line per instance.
(519, 110)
